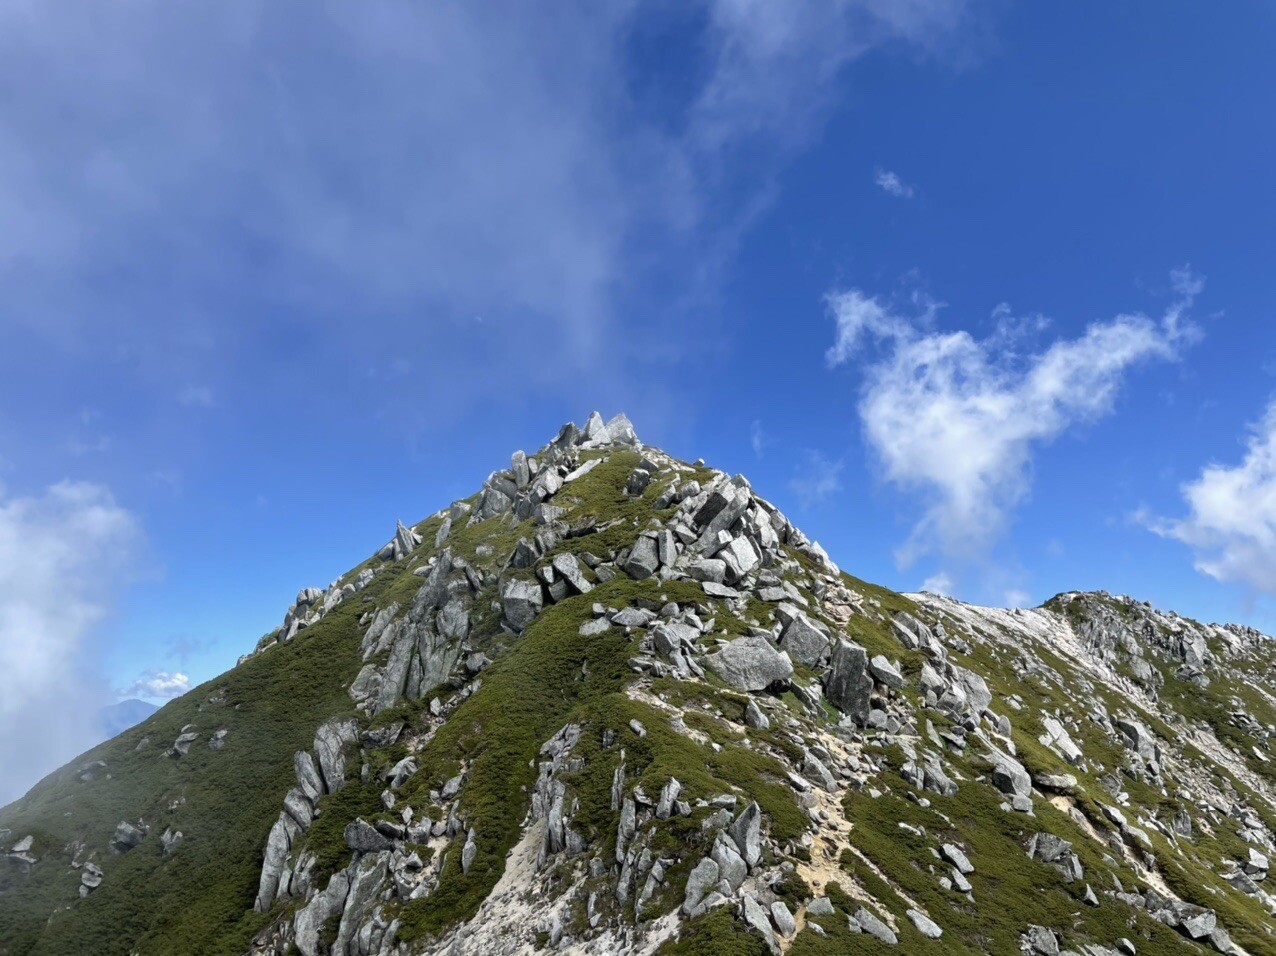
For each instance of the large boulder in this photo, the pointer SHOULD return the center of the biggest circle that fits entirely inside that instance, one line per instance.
(568, 568)
(275, 861)
(887, 674)
(703, 877)
(751, 664)
(848, 685)
(521, 601)
(746, 831)
(978, 696)
(644, 558)
(873, 926)
(363, 837)
(127, 836)
(1009, 776)
(804, 642)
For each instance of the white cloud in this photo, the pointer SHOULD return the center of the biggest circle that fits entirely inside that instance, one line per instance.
(1231, 520)
(956, 420)
(939, 583)
(1016, 598)
(157, 683)
(62, 554)
(817, 480)
(891, 183)
(309, 175)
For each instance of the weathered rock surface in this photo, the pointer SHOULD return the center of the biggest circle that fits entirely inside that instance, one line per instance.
(713, 722)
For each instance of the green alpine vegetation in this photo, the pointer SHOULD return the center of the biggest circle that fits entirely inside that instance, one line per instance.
(618, 703)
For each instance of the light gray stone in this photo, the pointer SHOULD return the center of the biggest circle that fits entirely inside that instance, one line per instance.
(521, 601)
(870, 924)
(1009, 776)
(954, 855)
(363, 837)
(754, 717)
(308, 775)
(885, 672)
(820, 906)
(567, 567)
(703, 877)
(643, 559)
(805, 643)
(783, 919)
(925, 925)
(746, 831)
(750, 664)
(331, 740)
(848, 686)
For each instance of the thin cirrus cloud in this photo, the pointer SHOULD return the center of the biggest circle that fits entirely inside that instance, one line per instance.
(758, 439)
(1230, 524)
(955, 420)
(817, 480)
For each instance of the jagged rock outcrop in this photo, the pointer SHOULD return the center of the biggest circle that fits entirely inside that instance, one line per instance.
(614, 699)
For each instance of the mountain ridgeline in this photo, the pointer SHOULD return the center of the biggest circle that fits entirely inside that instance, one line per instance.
(615, 703)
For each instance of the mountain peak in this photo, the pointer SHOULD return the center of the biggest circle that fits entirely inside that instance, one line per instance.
(614, 702)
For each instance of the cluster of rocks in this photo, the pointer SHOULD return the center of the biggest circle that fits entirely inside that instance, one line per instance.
(22, 852)
(524, 487)
(320, 772)
(769, 623)
(411, 653)
(312, 604)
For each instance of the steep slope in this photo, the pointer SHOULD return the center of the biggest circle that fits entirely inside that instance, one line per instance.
(614, 703)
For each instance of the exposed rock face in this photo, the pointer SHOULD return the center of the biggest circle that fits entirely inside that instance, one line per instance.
(612, 698)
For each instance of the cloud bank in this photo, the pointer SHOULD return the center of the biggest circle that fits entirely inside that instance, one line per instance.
(1231, 514)
(62, 554)
(482, 184)
(955, 420)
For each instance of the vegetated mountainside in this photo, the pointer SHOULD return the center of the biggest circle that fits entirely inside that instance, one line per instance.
(617, 703)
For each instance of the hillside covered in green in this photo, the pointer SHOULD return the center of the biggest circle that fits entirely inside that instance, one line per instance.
(618, 703)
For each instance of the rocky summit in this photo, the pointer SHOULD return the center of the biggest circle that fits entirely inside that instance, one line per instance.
(616, 703)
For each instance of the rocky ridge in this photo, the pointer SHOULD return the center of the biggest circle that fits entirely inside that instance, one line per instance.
(615, 702)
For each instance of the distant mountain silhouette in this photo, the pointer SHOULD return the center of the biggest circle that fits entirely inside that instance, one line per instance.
(120, 717)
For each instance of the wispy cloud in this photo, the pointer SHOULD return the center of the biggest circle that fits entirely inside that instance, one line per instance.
(817, 480)
(956, 420)
(81, 445)
(62, 554)
(314, 176)
(1016, 598)
(939, 583)
(158, 684)
(758, 438)
(1231, 521)
(890, 182)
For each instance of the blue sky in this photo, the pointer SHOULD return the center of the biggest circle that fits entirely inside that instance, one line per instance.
(979, 293)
